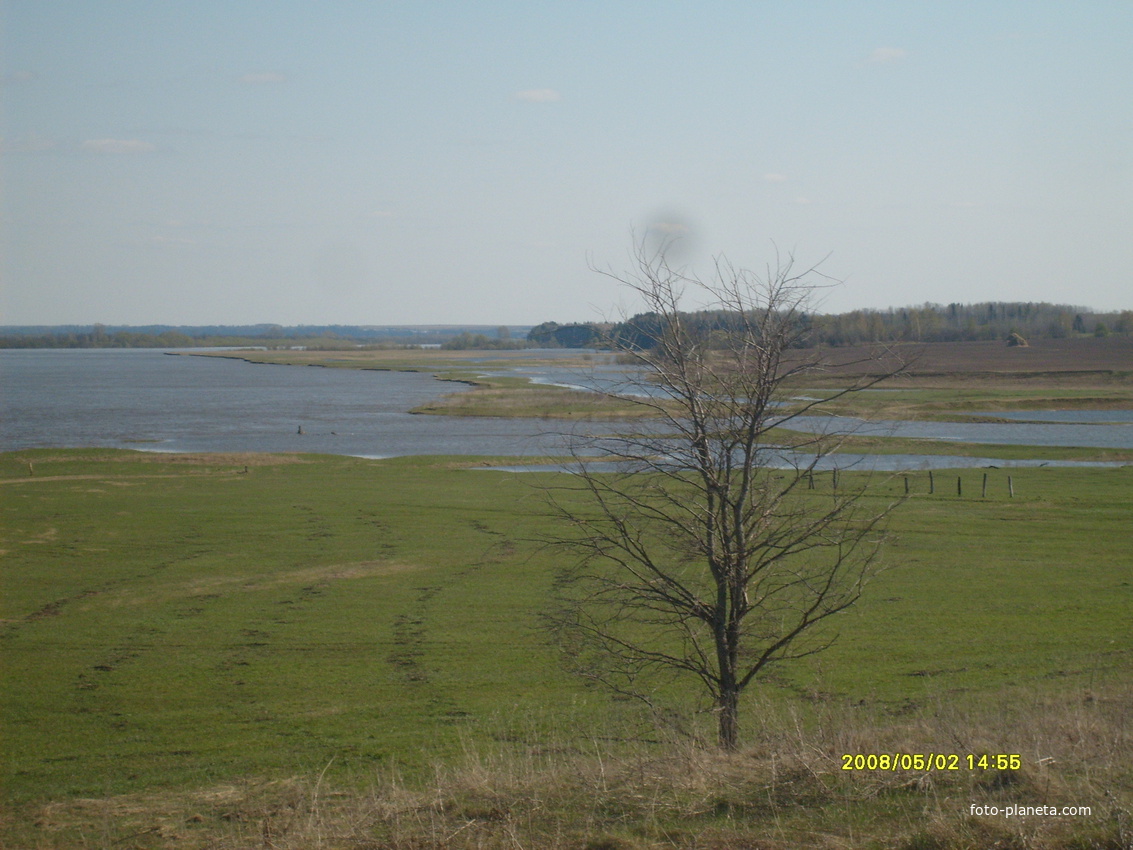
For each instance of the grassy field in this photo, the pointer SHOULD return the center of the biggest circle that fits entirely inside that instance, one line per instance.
(304, 651)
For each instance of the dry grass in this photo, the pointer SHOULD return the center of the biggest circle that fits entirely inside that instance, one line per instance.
(411, 359)
(1072, 354)
(250, 459)
(786, 790)
(202, 463)
(43, 458)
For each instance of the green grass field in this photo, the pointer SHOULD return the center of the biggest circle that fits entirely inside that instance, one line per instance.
(173, 624)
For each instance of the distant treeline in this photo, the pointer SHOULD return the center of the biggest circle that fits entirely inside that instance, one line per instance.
(960, 322)
(128, 339)
(928, 323)
(265, 336)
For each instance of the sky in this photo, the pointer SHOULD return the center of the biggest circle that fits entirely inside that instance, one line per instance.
(385, 162)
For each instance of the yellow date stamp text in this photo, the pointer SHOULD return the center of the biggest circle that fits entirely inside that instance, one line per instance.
(931, 761)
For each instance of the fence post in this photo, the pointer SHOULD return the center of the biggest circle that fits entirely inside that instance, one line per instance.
(931, 486)
(906, 485)
(983, 490)
(959, 489)
(1010, 487)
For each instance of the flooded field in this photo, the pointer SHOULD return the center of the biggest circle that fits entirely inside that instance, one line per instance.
(146, 400)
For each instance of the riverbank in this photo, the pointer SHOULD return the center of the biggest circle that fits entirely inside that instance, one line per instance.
(142, 399)
(545, 385)
(941, 381)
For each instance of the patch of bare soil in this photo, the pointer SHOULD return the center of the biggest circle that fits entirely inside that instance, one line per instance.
(1088, 354)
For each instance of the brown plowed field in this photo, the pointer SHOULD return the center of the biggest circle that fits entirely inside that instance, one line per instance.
(1110, 354)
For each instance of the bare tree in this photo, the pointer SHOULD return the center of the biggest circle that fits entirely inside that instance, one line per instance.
(707, 552)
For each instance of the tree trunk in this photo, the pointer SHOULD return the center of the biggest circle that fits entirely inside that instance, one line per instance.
(728, 706)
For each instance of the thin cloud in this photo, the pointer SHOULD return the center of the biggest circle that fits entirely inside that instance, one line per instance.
(538, 96)
(774, 177)
(885, 55)
(118, 146)
(264, 78)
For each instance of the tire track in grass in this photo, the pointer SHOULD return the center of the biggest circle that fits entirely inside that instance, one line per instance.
(147, 636)
(142, 638)
(57, 607)
(410, 637)
(264, 636)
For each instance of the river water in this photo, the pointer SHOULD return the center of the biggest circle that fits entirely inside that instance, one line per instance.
(1081, 431)
(145, 399)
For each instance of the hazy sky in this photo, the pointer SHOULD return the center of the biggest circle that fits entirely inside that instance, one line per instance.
(392, 162)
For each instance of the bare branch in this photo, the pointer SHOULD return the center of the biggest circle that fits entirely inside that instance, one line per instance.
(705, 556)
